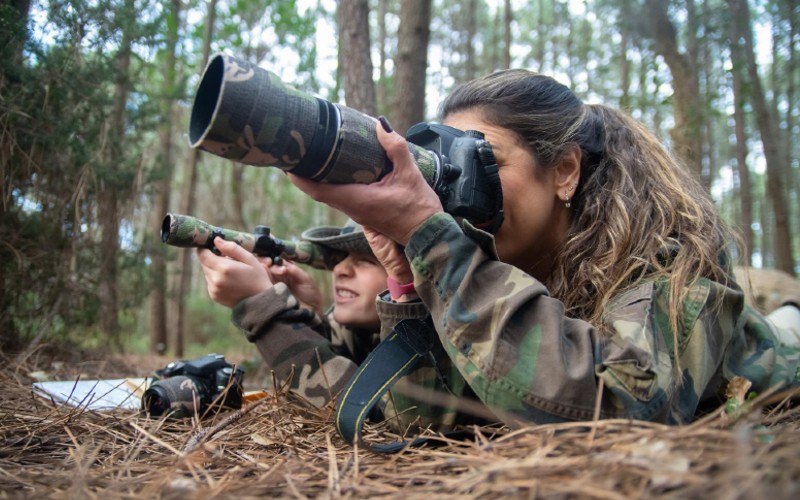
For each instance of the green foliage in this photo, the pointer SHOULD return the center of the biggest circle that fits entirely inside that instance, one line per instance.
(211, 329)
(59, 131)
(262, 32)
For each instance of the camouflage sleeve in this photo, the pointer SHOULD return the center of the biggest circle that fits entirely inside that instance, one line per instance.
(392, 313)
(513, 346)
(293, 341)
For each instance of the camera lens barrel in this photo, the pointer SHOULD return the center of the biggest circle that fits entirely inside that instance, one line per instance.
(179, 396)
(247, 114)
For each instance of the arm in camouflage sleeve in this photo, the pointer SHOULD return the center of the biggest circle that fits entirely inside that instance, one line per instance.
(293, 341)
(513, 345)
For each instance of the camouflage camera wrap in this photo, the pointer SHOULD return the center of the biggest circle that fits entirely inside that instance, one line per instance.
(247, 114)
(187, 387)
(186, 231)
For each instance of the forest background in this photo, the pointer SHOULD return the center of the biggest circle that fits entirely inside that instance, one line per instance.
(95, 97)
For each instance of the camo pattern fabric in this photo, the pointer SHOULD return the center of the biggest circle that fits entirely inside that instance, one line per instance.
(247, 114)
(262, 121)
(250, 124)
(510, 346)
(186, 231)
(294, 341)
(312, 254)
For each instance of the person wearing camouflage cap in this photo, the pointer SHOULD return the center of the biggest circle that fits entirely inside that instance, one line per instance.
(607, 291)
(279, 308)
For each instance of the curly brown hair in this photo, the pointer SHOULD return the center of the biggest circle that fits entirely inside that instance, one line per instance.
(637, 214)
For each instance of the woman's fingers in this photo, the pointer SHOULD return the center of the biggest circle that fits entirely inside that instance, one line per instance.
(394, 206)
(390, 255)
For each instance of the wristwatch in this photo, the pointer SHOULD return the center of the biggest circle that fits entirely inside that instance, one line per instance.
(397, 290)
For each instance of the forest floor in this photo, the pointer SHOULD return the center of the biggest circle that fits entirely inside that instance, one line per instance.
(277, 448)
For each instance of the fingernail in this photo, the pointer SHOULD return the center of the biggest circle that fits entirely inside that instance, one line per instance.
(385, 124)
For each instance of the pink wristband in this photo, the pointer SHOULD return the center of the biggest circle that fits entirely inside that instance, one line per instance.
(397, 290)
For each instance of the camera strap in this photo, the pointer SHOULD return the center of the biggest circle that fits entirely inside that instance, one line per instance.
(409, 341)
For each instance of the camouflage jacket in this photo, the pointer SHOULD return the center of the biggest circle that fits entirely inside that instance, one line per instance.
(293, 341)
(509, 345)
(507, 351)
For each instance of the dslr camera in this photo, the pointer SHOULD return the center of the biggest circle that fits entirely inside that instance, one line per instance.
(185, 388)
(247, 114)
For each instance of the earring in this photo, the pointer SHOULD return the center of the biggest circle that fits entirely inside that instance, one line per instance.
(566, 196)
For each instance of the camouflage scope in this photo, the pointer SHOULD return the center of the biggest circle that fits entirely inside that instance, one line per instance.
(247, 114)
(189, 232)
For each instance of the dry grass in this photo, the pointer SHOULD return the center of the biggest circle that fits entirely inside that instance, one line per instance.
(280, 449)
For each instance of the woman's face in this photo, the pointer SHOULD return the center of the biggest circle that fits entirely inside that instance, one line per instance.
(357, 280)
(536, 220)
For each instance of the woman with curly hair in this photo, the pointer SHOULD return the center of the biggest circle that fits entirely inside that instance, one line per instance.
(608, 287)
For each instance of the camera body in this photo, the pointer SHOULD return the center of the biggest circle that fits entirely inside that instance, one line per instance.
(189, 387)
(466, 180)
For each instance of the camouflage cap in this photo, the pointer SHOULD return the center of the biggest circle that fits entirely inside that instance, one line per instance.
(349, 238)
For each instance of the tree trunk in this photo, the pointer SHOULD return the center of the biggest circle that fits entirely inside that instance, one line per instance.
(540, 37)
(625, 67)
(509, 18)
(469, 49)
(382, 96)
(108, 202)
(571, 67)
(767, 254)
(238, 197)
(158, 251)
(743, 170)
(711, 80)
(108, 218)
(180, 331)
(12, 43)
(411, 63)
(745, 185)
(770, 138)
(791, 71)
(687, 104)
(354, 47)
(493, 51)
(13, 34)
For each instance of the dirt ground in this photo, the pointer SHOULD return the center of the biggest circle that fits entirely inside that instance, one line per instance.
(277, 448)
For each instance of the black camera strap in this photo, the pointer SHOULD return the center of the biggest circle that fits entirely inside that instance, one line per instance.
(395, 356)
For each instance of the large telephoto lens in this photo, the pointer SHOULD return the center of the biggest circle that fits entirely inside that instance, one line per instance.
(247, 114)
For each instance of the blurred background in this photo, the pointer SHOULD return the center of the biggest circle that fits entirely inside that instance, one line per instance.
(95, 98)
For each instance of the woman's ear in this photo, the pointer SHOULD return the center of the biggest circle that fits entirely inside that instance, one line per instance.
(568, 173)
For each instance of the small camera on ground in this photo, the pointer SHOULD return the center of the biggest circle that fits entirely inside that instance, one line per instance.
(188, 387)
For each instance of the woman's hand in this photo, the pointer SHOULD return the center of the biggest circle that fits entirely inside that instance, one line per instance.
(390, 255)
(395, 206)
(234, 275)
(300, 284)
